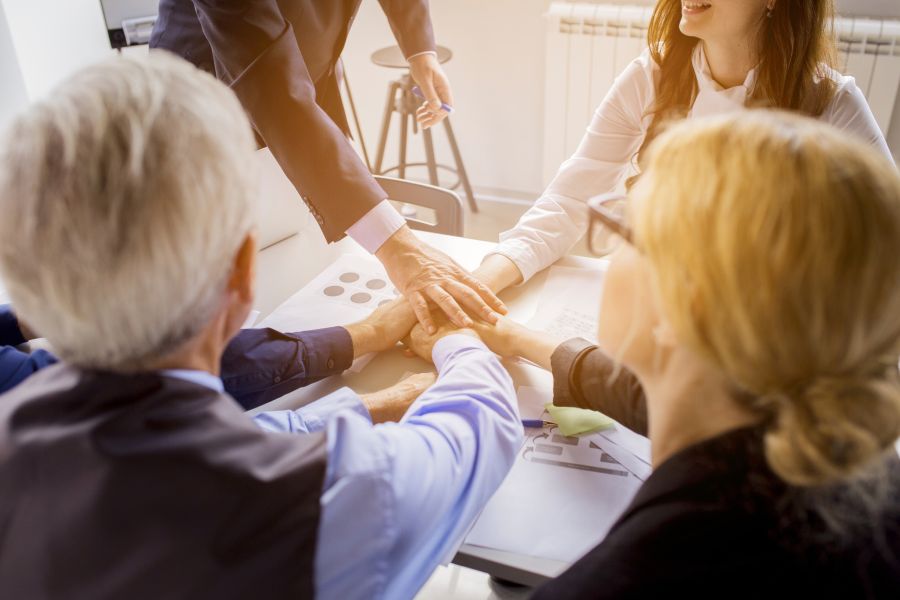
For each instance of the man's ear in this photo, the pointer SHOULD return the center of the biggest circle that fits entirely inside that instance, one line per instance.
(243, 271)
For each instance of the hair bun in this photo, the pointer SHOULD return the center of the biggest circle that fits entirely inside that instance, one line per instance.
(834, 428)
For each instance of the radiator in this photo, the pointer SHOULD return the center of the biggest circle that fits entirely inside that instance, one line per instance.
(588, 44)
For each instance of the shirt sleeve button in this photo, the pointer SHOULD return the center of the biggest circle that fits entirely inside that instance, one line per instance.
(277, 379)
(330, 363)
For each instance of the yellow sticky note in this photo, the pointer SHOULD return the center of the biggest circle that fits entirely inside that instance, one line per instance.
(575, 421)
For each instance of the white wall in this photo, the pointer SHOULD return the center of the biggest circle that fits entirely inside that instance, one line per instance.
(53, 38)
(497, 74)
(13, 96)
(497, 78)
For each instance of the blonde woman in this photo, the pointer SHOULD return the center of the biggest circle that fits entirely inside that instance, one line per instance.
(760, 342)
(703, 58)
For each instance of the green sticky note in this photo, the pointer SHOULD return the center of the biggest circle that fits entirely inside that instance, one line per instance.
(575, 421)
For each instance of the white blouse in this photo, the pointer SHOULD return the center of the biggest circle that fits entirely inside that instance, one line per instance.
(603, 160)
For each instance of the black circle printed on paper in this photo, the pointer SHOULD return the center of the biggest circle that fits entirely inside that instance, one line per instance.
(376, 284)
(361, 297)
(334, 290)
(349, 277)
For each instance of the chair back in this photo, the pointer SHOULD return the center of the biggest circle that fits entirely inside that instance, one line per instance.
(447, 206)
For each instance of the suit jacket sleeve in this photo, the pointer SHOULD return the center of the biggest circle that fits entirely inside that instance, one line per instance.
(10, 334)
(260, 365)
(411, 23)
(585, 377)
(256, 53)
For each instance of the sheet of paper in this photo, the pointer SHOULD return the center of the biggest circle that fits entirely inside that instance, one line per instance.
(632, 450)
(570, 303)
(346, 292)
(532, 401)
(560, 499)
(251, 319)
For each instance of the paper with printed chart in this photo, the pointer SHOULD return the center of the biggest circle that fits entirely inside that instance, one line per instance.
(560, 498)
(347, 291)
(570, 303)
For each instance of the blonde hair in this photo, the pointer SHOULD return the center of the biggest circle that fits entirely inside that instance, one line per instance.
(125, 196)
(774, 242)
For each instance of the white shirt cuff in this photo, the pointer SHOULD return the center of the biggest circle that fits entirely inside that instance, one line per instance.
(432, 52)
(376, 226)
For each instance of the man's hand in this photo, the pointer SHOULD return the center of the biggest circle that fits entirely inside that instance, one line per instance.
(419, 272)
(381, 330)
(428, 74)
(391, 404)
(422, 343)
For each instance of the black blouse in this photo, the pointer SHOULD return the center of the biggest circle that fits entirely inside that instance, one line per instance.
(715, 521)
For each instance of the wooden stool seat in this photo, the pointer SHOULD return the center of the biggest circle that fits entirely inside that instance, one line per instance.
(392, 57)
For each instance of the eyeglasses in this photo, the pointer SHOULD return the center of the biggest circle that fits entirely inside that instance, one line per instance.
(609, 224)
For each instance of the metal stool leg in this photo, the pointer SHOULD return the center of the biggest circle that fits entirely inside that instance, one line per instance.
(460, 169)
(385, 126)
(429, 157)
(404, 125)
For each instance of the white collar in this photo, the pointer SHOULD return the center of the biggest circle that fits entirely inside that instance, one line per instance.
(705, 78)
(712, 98)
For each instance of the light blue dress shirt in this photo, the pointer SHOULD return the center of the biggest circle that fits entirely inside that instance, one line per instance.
(398, 498)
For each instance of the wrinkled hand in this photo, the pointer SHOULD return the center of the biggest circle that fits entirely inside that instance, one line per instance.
(420, 271)
(391, 404)
(428, 74)
(382, 329)
(421, 343)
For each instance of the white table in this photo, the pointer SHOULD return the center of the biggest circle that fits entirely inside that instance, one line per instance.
(287, 267)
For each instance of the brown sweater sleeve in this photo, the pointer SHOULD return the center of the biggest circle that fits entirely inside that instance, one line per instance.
(585, 377)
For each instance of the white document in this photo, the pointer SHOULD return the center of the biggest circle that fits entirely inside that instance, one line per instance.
(347, 291)
(251, 319)
(559, 501)
(532, 401)
(630, 449)
(570, 303)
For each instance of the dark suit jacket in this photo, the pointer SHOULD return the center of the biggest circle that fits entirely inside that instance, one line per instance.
(146, 486)
(279, 57)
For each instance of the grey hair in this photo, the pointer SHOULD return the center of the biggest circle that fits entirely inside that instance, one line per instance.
(125, 196)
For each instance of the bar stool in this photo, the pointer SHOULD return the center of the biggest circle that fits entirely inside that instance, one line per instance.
(402, 100)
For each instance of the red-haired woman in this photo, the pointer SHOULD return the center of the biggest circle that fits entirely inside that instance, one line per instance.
(704, 57)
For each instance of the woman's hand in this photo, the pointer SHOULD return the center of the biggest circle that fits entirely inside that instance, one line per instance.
(391, 404)
(509, 338)
(381, 330)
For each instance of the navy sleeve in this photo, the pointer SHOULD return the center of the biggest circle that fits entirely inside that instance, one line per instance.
(10, 334)
(260, 365)
(16, 366)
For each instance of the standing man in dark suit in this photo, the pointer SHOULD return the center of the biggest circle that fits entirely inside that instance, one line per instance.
(280, 58)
